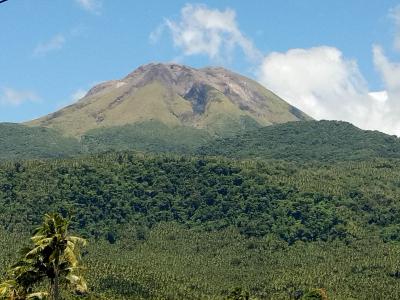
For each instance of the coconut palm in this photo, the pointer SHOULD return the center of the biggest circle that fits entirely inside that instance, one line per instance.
(55, 253)
(12, 290)
(24, 275)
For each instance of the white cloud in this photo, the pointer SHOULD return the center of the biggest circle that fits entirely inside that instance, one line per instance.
(390, 74)
(156, 34)
(389, 71)
(74, 97)
(12, 97)
(93, 6)
(323, 83)
(380, 96)
(210, 32)
(319, 81)
(55, 43)
(78, 94)
(326, 85)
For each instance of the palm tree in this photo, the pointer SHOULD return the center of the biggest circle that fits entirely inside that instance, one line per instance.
(12, 290)
(55, 253)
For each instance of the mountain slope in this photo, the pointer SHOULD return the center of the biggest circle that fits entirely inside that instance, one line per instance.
(213, 99)
(292, 201)
(20, 141)
(304, 141)
(195, 228)
(325, 141)
(151, 136)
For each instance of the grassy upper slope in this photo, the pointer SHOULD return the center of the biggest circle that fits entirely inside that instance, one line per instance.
(306, 141)
(174, 95)
(104, 111)
(152, 103)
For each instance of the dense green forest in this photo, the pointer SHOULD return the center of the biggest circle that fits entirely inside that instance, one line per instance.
(154, 136)
(23, 142)
(308, 202)
(294, 141)
(275, 212)
(307, 141)
(147, 136)
(172, 262)
(197, 227)
(29, 142)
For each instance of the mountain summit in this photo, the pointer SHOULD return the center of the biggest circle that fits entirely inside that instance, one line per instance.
(211, 98)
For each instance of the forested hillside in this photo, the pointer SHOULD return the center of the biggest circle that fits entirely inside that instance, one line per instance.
(199, 226)
(325, 141)
(293, 202)
(147, 136)
(307, 141)
(173, 262)
(23, 142)
(274, 212)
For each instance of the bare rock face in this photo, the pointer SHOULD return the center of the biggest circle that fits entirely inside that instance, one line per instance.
(174, 95)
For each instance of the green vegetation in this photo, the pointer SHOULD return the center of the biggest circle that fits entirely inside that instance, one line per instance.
(23, 142)
(54, 256)
(307, 141)
(154, 136)
(199, 227)
(109, 190)
(293, 202)
(306, 210)
(172, 262)
(324, 141)
(148, 136)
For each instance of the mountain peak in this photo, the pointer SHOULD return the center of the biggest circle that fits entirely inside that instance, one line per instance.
(162, 68)
(176, 95)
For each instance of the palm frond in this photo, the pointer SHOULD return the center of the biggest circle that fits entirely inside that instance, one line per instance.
(78, 283)
(70, 257)
(37, 296)
(36, 251)
(77, 240)
(52, 252)
(9, 289)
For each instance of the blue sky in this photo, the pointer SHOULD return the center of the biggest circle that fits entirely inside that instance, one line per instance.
(53, 51)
